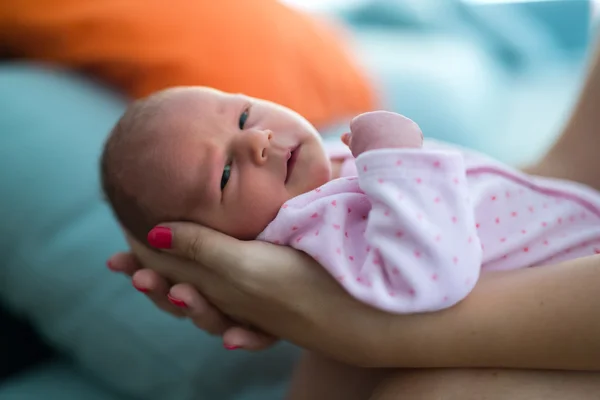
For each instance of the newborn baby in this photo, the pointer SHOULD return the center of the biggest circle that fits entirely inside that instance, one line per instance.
(407, 228)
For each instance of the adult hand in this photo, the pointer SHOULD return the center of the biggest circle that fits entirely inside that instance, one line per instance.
(277, 289)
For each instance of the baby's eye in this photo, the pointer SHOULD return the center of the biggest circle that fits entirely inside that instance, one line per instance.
(243, 118)
(225, 176)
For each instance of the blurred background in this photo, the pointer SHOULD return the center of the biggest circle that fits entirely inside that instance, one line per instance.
(496, 76)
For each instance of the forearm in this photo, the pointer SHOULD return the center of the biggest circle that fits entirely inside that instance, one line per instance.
(539, 318)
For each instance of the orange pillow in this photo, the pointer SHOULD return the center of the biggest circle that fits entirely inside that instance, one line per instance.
(259, 47)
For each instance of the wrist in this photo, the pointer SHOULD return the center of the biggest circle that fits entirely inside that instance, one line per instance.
(375, 146)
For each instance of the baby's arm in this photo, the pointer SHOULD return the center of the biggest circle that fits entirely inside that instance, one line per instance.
(425, 253)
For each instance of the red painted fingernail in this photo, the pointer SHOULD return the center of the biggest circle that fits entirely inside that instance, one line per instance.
(177, 302)
(228, 347)
(160, 237)
(141, 289)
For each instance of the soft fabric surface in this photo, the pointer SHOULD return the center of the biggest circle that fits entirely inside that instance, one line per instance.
(259, 47)
(57, 233)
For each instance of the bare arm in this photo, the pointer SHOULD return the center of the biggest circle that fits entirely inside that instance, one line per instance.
(539, 318)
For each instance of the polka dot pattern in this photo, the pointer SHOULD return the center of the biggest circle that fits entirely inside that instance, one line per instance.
(414, 231)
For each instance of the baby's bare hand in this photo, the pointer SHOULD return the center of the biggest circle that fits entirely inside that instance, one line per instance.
(381, 130)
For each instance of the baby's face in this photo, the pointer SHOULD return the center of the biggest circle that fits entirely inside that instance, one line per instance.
(247, 157)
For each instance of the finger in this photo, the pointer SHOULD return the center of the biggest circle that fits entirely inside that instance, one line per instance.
(346, 139)
(177, 269)
(125, 263)
(156, 289)
(203, 314)
(196, 243)
(243, 338)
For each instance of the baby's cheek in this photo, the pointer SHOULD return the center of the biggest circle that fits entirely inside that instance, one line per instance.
(255, 208)
(319, 173)
(247, 229)
(316, 168)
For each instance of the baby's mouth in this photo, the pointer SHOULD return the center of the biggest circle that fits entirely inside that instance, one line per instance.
(291, 162)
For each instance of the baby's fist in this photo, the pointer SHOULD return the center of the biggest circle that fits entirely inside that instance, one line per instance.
(382, 130)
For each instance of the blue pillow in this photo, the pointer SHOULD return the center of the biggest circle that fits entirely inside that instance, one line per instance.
(56, 234)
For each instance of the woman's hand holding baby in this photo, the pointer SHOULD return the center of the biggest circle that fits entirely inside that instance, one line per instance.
(382, 129)
(284, 292)
(259, 283)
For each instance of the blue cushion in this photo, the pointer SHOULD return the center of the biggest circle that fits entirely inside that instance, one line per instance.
(56, 234)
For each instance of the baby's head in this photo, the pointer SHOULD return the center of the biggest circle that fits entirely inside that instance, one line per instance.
(225, 161)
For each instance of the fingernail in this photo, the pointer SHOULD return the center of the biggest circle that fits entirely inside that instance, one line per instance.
(160, 237)
(177, 302)
(230, 347)
(141, 289)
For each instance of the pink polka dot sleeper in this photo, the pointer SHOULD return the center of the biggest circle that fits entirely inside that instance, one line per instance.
(414, 229)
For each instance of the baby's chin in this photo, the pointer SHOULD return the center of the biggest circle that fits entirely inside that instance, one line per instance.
(311, 182)
(249, 229)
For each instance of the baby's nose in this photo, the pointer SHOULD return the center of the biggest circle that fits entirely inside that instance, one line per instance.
(260, 142)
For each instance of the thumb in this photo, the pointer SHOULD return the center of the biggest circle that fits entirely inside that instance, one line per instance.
(346, 137)
(194, 242)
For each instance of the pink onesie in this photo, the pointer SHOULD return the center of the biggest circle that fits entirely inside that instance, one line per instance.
(412, 229)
